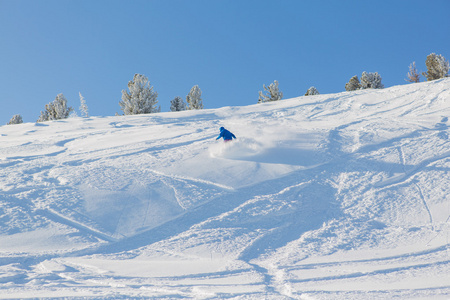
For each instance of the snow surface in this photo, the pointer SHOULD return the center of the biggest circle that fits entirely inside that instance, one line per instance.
(342, 196)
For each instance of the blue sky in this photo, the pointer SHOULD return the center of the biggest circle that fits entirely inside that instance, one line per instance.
(229, 48)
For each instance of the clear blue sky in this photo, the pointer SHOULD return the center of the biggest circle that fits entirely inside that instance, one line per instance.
(229, 48)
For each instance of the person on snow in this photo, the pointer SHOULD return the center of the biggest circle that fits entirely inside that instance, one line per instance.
(226, 135)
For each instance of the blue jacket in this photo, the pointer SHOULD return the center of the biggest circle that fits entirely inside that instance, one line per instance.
(225, 134)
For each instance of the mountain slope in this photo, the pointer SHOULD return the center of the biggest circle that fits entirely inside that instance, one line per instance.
(328, 196)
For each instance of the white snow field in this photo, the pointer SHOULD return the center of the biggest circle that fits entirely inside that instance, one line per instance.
(339, 196)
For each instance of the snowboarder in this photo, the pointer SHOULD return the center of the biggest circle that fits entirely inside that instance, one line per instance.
(226, 135)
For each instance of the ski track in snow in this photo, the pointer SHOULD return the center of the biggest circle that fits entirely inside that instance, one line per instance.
(339, 196)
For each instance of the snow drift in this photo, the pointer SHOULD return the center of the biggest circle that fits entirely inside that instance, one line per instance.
(328, 196)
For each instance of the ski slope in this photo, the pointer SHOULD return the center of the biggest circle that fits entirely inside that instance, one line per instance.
(339, 196)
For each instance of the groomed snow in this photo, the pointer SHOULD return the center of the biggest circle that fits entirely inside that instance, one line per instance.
(342, 196)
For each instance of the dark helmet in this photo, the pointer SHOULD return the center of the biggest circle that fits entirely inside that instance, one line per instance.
(222, 128)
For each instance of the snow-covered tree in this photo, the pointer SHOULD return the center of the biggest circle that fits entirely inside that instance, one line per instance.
(371, 81)
(353, 84)
(177, 104)
(437, 66)
(412, 75)
(194, 98)
(56, 110)
(272, 93)
(16, 119)
(141, 99)
(312, 91)
(83, 107)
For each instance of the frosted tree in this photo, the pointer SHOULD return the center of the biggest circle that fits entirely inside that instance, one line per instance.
(177, 104)
(312, 91)
(353, 84)
(141, 99)
(371, 81)
(412, 75)
(194, 98)
(437, 66)
(16, 119)
(83, 107)
(272, 93)
(56, 110)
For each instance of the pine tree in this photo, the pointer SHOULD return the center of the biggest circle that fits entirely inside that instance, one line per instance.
(194, 98)
(16, 119)
(437, 66)
(141, 99)
(312, 91)
(353, 84)
(177, 104)
(413, 76)
(272, 93)
(56, 110)
(371, 81)
(83, 107)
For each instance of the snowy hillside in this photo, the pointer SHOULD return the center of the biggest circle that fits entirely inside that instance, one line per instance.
(343, 196)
